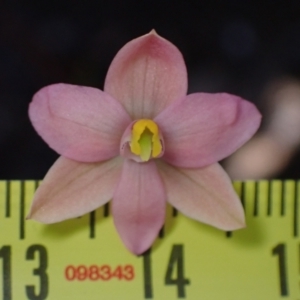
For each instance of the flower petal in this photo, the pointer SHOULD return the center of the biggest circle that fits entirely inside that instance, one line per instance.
(138, 205)
(204, 194)
(71, 189)
(202, 129)
(81, 123)
(146, 75)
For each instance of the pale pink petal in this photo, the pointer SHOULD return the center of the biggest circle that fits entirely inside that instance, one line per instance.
(202, 129)
(81, 123)
(138, 205)
(146, 75)
(205, 195)
(71, 189)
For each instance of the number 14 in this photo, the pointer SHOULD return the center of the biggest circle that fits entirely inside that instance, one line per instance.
(176, 262)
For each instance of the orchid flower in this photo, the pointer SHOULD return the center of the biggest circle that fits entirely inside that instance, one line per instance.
(141, 142)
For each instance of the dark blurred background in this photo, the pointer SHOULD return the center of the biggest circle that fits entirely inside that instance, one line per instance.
(248, 48)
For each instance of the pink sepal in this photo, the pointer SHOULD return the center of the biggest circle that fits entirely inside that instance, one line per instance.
(71, 189)
(146, 76)
(205, 194)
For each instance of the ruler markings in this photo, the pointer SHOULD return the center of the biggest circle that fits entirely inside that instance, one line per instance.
(22, 210)
(283, 194)
(106, 211)
(148, 290)
(242, 194)
(175, 212)
(288, 201)
(256, 198)
(36, 184)
(92, 224)
(161, 233)
(269, 204)
(248, 201)
(228, 234)
(7, 199)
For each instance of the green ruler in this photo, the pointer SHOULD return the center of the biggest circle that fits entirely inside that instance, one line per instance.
(84, 258)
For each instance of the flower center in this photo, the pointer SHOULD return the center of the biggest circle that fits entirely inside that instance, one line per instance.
(145, 139)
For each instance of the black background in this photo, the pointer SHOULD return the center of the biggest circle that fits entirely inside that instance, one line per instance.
(234, 46)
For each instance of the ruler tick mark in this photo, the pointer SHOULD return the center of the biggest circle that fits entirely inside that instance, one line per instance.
(242, 196)
(106, 210)
(161, 232)
(147, 274)
(36, 184)
(256, 199)
(92, 224)
(228, 234)
(175, 212)
(7, 199)
(269, 207)
(22, 209)
(283, 188)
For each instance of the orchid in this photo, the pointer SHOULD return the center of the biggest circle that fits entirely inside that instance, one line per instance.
(141, 142)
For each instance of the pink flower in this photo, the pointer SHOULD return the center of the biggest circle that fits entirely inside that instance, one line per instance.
(141, 142)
